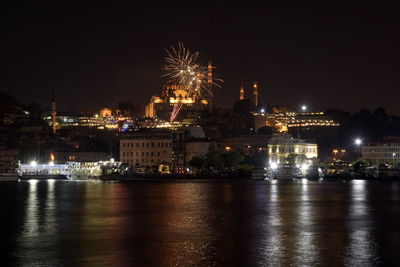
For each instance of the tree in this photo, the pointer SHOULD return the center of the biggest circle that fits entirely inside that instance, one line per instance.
(266, 130)
(233, 158)
(197, 163)
(259, 158)
(7, 102)
(214, 157)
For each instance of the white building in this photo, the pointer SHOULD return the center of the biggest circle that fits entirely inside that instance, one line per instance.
(280, 146)
(386, 153)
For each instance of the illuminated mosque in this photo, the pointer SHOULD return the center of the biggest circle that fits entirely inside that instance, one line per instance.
(177, 99)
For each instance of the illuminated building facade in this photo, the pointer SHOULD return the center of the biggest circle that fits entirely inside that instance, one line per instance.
(248, 143)
(162, 106)
(105, 112)
(283, 121)
(146, 149)
(53, 114)
(151, 149)
(98, 122)
(280, 146)
(384, 153)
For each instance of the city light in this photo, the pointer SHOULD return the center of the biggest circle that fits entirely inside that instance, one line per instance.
(262, 110)
(304, 167)
(274, 166)
(51, 163)
(33, 163)
(358, 141)
(303, 107)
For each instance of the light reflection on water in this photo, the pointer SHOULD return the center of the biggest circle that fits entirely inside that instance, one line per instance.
(360, 250)
(208, 223)
(31, 223)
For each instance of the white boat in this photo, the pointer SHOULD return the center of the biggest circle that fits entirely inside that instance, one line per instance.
(43, 171)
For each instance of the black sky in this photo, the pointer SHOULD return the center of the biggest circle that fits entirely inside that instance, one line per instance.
(96, 54)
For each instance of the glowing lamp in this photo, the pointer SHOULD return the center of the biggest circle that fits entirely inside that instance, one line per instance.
(358, 141)
(274, 166)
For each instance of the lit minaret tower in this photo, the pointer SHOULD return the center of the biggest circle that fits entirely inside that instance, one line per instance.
(241, 95)
(210, 83)
(255, 93)
(53, 113)
(209, 73)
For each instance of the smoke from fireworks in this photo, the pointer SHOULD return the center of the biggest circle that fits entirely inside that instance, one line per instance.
(183, 68)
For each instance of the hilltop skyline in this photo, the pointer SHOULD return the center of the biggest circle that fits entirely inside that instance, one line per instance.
(96, 55)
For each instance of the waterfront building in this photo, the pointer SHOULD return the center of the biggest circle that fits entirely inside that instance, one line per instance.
(248, 143)
(147, 149)
(282, 146)
(382, 153)
(151, 149)
(196, 148)
(8, 161)
(188, 142)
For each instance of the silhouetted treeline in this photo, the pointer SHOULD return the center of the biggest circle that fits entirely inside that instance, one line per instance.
(370, 126)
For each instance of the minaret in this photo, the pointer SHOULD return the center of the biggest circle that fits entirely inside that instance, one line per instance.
(209, 73)
(241, 95)
(210, 85)
(53, 113)
(255, 93)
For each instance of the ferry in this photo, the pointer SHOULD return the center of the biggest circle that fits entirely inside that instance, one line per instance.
(44, 171)
(281, 172)
(290, 172)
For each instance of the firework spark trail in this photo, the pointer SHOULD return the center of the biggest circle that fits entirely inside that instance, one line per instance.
(175, 111)
(182, 68)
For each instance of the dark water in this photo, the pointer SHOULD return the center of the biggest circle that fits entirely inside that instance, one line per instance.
(207, 223)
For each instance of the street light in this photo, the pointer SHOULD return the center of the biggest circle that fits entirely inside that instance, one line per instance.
(303, 107)
(358, 143)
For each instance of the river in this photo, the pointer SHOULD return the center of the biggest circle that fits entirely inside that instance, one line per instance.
(200, 223)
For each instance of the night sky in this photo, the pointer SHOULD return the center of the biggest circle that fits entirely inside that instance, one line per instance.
(326, 56)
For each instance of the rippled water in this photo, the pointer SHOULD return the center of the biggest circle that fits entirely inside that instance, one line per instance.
(200, 223)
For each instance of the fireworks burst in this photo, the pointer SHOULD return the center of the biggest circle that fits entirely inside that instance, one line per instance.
(183, 68)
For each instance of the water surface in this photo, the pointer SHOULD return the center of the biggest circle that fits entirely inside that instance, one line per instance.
(200, 223)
